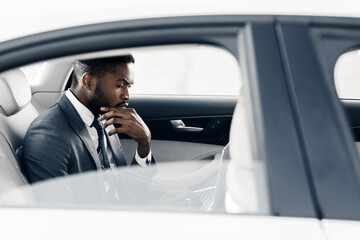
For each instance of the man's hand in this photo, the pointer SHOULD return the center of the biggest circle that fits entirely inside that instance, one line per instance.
(131, 124)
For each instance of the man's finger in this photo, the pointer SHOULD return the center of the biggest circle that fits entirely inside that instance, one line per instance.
(121, 109)
(115, 120)
(116, 112)
(118, 130)
(113, 114)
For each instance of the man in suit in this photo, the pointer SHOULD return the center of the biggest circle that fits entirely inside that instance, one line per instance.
(69, 137)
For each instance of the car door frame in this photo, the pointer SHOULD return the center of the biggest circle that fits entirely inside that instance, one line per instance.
(310, 47)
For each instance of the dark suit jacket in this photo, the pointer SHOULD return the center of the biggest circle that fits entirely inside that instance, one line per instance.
(58, 144)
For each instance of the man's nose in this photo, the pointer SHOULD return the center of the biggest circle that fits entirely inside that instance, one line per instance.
(125, 94)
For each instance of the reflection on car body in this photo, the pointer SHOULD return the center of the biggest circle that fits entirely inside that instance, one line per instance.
(126, 188)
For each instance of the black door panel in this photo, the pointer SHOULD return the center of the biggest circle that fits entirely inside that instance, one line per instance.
(213, 130)
(352, 109)
(202, 119)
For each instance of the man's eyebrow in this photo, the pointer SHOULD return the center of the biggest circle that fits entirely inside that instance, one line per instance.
(124, 80)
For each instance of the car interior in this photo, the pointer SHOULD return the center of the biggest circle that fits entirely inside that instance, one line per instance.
(191, 129)
(17, 115)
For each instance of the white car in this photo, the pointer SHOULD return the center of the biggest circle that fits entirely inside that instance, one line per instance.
(250, 137)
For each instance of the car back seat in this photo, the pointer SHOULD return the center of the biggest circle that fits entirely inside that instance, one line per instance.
(245, 178)
(16, 114)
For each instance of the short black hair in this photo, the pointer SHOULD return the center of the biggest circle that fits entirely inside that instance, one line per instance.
(98, 67)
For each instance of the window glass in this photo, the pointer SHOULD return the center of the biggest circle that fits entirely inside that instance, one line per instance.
(186, 70)
(347, 75)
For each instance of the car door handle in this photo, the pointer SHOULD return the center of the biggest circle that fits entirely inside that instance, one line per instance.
(179, 126)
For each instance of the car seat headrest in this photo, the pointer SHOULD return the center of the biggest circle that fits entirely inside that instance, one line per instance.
(15, 92)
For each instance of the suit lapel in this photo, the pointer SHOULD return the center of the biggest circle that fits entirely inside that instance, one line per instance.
(79, 127)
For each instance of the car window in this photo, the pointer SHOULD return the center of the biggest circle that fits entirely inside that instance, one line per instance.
(347, 75)
(186, 70)
(196, 167)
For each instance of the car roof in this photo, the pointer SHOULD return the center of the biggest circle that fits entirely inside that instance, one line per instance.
(20, 18)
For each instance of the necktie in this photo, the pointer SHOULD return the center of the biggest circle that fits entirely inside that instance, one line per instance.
(103, 156)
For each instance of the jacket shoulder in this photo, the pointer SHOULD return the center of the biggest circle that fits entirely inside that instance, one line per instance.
(52, 116)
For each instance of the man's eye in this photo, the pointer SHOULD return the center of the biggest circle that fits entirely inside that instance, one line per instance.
(120, 86)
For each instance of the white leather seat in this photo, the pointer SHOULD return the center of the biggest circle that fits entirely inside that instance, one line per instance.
(246, 181)
(16, 114)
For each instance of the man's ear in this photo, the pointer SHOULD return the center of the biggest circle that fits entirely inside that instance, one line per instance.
(88, 81)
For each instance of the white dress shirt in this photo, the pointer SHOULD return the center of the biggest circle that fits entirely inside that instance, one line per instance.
(88, 117)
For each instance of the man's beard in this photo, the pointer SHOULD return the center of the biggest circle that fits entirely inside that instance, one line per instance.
(98, 100)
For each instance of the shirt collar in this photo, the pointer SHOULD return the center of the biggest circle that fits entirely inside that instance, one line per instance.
(85, 114)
